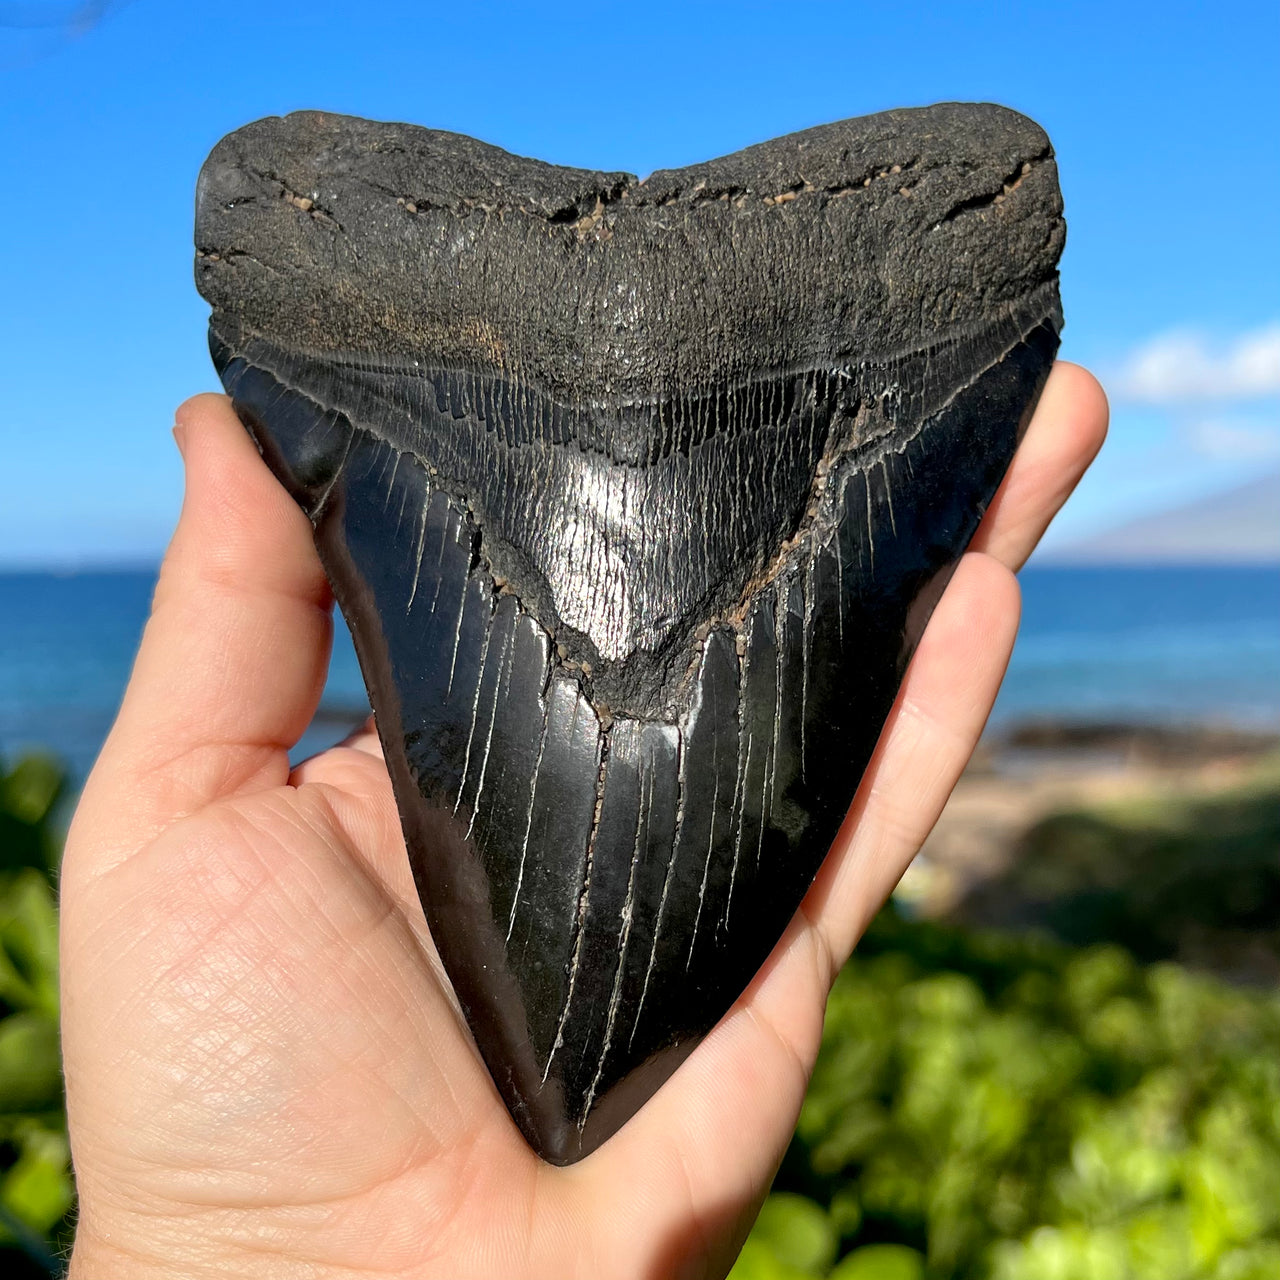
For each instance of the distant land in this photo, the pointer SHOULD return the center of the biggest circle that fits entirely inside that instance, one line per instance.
(1241, 526)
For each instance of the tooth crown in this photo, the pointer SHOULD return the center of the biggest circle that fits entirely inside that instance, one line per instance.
(636, 497)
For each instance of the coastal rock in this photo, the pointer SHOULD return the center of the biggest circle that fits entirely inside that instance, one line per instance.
(636, 497)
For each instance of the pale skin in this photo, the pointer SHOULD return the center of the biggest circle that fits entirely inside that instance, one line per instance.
(266, 1073)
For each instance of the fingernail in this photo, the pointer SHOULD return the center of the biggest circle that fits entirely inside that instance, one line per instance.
(180, 438)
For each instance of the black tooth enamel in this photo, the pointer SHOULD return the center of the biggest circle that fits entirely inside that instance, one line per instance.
(637, 497)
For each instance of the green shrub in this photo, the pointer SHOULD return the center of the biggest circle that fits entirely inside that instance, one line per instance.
(1006, 1108)
(985, 1106)
(36, 1191)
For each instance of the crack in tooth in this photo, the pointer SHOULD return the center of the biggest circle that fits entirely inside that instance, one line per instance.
(624, 940)
(457, 633)
(739, 806)
(422, 542)
(580, 916)
(711, 833)
(475, 702)
(504, 657)
(528, 822)
(681, 782)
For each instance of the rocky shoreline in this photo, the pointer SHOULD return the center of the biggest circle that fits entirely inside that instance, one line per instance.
(1164, 839)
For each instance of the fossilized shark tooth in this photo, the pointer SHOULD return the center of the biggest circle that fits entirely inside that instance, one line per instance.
(636, 497)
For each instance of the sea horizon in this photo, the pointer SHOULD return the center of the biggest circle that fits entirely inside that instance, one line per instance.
(1149, 645)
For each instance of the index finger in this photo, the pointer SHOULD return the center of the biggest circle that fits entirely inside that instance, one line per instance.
(1065, 434)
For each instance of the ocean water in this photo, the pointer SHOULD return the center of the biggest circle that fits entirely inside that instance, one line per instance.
(1153, 645)
(1162, 645)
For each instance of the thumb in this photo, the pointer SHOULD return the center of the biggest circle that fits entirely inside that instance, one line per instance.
(233, 658)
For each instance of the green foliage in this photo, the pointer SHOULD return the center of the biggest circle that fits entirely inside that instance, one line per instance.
(36, 1191)
(28, 794)
(759, 1261)
(798, 1233)
(881, 1262)
(985, 1106)
(991, 1107)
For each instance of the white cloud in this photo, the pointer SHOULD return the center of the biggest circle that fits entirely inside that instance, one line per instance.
(1234, 439)
(1183, 367)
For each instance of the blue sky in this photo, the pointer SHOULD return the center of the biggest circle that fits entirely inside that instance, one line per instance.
(1163, 117)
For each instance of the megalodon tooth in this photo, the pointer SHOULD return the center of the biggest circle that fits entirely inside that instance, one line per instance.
(636, 497)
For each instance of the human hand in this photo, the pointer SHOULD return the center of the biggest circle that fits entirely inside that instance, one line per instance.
(267, 1075)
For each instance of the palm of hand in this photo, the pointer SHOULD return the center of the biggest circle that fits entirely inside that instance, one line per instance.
(280, 1060)
(266, 1073)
